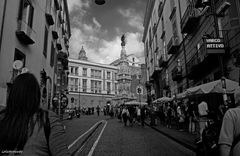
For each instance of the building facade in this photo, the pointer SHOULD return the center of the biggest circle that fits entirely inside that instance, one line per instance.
(90, 84)
(130, 76)
(34, 36)
(177, 52)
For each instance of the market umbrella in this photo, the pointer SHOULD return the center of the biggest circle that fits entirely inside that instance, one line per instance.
(162, 99)
(181, 95)
(135, 103)
(213, 87)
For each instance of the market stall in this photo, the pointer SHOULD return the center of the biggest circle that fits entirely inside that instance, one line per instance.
(163, 100)
(135, 103)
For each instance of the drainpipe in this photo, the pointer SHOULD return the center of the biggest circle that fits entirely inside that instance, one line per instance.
(183, 43)
(216, 27)
(2, 25)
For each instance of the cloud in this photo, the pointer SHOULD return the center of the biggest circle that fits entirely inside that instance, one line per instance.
(134, 19)
(90, 35)
(77, 4)
(103, 51)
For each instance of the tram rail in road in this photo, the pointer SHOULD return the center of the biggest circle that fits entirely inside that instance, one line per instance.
(78, 145)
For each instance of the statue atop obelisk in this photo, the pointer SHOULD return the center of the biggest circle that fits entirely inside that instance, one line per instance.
(123, 43)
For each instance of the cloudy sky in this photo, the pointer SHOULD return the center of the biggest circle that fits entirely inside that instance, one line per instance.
(99, 28)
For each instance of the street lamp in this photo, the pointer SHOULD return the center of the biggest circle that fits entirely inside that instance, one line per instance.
(100, 2)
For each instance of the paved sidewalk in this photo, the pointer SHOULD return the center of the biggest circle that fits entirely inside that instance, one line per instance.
(184, 138)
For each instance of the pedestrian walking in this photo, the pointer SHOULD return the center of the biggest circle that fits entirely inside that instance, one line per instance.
(125, 115)
(203, 117)
(169, 116)
(26, 128)
(143, 114)
(229, 138)
(192, 117)
(138, 114)
(181, 117)
(98, 110)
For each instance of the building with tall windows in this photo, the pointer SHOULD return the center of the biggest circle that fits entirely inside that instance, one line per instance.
(176, 35)
(34, 37)
(90, 84)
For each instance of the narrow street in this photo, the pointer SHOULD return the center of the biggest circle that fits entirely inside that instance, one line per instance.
(116, 139)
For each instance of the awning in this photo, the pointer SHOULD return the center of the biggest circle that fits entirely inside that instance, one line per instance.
(162, 99)
(181, 95)
(213, 87)
(135, 103)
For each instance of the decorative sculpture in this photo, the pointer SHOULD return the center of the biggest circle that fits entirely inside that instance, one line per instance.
(123, 39)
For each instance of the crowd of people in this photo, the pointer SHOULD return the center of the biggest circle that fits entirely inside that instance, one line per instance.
(28, 129)
(131, 114)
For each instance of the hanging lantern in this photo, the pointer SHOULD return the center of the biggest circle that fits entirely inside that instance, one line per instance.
(100, 2)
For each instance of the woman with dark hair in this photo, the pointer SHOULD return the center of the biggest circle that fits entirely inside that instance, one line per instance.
(23, 125)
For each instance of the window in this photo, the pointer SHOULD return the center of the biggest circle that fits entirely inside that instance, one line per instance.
(108, 87)
(52, 55)
(85, 72)
(96, 86)
(76, 70)
(26, 12)
(92, 73)
(96, 73)
(45, 42)
(92, 85)
(115, 87)
(172, 4)
(71, 70)
(84, 85)
(108, 75)
(174, 27)
(163, 27)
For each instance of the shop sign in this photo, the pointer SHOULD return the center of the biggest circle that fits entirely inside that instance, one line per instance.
(215, 45)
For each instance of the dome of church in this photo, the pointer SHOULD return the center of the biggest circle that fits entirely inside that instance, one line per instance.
(82, 54)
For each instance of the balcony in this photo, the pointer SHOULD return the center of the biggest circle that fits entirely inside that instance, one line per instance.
(173, 45)
(49, 16)
(160, 9)
(126, 77)
(55, 34)
(177, 73)
(164, 84)
(201, 61)
(156, 72)
(162, 62)
(59, 44)
(199, 4)
(25, 33)
(190, 19)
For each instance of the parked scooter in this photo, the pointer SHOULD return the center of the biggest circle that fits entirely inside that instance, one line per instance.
(77, 114)
(70, 115)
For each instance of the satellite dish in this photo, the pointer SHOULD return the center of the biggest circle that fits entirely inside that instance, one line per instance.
(17, 64)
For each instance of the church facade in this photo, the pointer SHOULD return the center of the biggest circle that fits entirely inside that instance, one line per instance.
(131, 75)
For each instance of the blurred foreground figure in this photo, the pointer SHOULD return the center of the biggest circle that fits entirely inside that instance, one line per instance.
(27, 129)
(229, 139)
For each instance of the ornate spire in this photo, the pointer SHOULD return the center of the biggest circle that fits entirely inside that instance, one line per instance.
(123, 43)
(82, 54)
